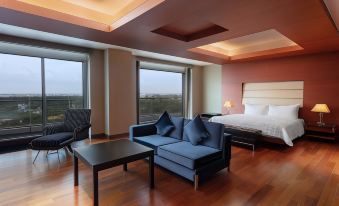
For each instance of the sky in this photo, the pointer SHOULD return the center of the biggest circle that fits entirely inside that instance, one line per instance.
(159, 82)
(22, 75)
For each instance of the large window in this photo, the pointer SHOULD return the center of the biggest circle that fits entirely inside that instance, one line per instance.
(62, 91)
(159, 91)
(20, 91)
(36, 91)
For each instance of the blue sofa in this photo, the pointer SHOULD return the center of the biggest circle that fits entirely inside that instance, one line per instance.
(175, 152)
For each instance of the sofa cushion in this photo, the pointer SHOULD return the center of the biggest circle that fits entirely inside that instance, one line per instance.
(52, 140)
(154, 141)
(164, 124)
(195, 130)
(188, 155)
(179, 127)
(216, 132)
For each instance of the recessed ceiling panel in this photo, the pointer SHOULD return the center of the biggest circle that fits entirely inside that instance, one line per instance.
(105, 15)
(189, 31)
(261, 43)
(333, 9)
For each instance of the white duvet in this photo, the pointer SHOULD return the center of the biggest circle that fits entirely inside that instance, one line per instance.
(284, 129)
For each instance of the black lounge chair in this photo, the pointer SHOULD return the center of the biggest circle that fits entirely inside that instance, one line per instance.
(57, 136)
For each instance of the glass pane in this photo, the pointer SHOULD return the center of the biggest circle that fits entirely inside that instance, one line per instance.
(64, 87)
(20, 91)
(159, 91)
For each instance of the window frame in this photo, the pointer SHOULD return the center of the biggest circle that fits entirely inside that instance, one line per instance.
(183, 87)
(26, 130)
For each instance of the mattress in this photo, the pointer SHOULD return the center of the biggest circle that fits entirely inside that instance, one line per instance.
(275, 127)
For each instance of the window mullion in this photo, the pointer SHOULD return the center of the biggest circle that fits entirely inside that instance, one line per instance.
(44, 102)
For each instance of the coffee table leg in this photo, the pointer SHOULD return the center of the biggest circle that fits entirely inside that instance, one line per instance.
(125, 167)
(95, 188)
(151, 170)
(76, 171)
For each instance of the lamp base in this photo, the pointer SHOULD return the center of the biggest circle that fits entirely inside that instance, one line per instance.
(321, 124)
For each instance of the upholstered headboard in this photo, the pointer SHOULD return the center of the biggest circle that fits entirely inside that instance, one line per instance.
(277, 93)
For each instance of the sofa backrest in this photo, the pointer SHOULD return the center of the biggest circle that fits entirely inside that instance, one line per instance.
(216, 131)
(179, 127)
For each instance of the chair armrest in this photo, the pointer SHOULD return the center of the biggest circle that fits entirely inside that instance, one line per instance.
(53, 128)
(142, 130)
(79, 130)
(82, 128)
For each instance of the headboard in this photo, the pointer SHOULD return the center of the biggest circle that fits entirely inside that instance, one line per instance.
(277, 93)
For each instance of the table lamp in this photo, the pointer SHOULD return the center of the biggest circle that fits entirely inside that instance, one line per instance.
(321, 109)
(228, 104)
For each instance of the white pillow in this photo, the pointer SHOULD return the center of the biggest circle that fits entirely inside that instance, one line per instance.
(256, 109)
(287, 112)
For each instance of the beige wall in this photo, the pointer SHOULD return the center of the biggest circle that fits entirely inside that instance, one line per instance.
(211, 89)
(97, 94)
(196, 91)
(120, 91)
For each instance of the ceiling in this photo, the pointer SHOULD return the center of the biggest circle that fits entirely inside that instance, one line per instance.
(104, 15)
(306, 23)
(270, 41)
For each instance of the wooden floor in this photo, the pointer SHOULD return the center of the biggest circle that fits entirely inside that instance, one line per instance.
(306, 174)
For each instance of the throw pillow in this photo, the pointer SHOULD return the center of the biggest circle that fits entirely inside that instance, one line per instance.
(164, 124)
(196, 131)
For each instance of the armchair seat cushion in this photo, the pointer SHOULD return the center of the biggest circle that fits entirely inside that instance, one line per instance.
(188, 155)
(52, 141)
(154, 141)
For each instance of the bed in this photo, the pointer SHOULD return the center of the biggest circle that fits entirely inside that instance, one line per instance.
(270, 127)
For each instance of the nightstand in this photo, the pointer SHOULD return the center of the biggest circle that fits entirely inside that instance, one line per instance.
(207, 116)
(327, 131)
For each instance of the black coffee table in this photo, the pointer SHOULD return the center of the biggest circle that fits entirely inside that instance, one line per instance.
(110, 154)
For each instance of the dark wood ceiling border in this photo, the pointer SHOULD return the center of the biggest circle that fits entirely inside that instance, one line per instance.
(202, 33)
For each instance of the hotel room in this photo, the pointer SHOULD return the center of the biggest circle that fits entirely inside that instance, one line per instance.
(169, 102)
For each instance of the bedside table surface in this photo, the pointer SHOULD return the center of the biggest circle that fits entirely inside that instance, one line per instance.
(314, 124)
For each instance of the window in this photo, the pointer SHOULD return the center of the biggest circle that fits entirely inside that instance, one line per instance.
(35, 91)
(159, 91)
(20, 91)
(62, 91)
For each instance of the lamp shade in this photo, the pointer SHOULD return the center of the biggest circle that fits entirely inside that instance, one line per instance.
(228, 104)
(323, 108)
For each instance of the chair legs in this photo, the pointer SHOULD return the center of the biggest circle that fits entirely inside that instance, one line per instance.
(58, 156)
(36, 156)
(69, 147)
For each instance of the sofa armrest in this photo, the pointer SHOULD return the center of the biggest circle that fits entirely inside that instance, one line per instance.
(227, 147)
(142, 130)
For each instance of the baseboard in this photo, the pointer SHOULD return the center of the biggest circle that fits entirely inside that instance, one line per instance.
(114, 136)
(100, 135)
(117, 136)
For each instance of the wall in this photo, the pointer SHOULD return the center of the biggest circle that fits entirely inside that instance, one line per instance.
(120, 91)
(320, 73)
(196, 94)
(212, 101)
(97, 99)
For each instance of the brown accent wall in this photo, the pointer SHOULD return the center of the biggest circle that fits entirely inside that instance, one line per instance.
(320, 73)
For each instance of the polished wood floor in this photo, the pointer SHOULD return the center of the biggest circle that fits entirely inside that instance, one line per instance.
(306, 174)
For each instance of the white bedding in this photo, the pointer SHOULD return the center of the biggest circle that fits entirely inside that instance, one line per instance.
(284, 129)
